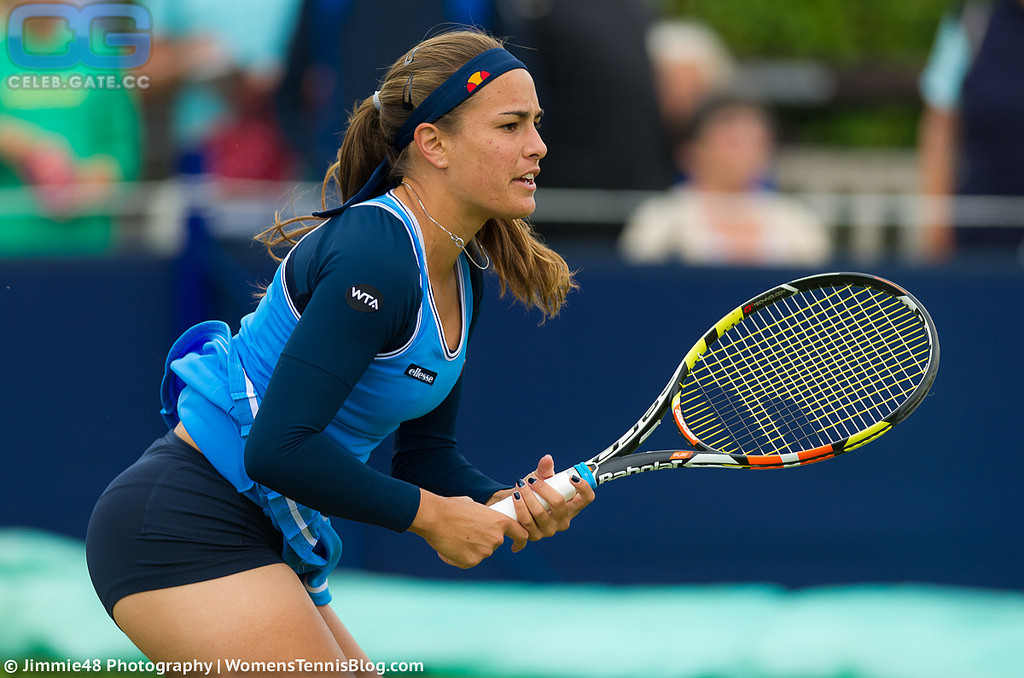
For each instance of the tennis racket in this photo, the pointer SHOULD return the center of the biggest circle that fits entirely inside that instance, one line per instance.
(801, 373)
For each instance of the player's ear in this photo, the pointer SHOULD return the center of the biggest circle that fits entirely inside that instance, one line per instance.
(430, 141)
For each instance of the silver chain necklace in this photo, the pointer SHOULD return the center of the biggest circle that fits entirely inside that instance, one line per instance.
(459, 242)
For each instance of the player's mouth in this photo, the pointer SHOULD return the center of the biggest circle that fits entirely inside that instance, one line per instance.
(527, 180)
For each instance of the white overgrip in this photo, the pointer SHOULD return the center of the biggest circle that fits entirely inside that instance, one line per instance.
(560, 482)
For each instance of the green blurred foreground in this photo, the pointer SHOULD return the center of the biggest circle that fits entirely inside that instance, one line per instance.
(494, 630)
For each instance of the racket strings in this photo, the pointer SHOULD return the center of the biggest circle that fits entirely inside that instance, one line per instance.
(766, 370)
(843, 360)
(838, 352)
(807, 371)
(850, 385)
(890, 353)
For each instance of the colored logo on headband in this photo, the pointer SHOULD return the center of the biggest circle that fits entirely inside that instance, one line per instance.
(476, 79)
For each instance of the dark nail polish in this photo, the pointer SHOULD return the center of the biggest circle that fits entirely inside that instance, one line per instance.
(575, 478)
(519, 483)
(532, 480)
(517, 496)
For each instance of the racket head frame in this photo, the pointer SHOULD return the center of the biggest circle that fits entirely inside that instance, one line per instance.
(620, 458)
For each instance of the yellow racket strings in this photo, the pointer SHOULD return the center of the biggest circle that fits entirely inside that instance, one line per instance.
(770, 371)
(812, 369)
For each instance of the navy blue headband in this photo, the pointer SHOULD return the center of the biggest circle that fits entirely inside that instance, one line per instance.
(474, 74)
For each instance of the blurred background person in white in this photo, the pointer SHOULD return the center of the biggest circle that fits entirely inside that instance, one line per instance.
(724, 212)
(690, 63)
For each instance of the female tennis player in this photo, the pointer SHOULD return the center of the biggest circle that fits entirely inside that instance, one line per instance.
(215, 544)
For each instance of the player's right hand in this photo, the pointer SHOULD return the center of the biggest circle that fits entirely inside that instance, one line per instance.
(462, 531)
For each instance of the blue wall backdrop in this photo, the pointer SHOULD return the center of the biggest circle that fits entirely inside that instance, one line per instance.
(936, 500)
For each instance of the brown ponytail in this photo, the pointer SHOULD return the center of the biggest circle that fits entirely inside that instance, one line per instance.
(534, 274)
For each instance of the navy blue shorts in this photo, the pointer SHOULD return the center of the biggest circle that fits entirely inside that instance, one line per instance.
(171, 519)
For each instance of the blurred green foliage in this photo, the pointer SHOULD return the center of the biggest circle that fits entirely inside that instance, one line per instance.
(891, 124)
(840, 32)
(843, 34)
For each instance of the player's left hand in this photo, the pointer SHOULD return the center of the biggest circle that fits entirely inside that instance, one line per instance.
(537, 520)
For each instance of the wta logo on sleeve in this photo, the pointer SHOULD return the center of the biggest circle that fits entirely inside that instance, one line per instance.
(363, 298)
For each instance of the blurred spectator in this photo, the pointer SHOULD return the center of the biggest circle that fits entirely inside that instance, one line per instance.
(68, 146)
(970, 138)
(690, 64)
(723, 214)
(594, 80)
(214, 69)
(338, 53)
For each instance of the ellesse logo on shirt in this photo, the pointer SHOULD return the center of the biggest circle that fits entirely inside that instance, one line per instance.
(364, 298)
(417, 372)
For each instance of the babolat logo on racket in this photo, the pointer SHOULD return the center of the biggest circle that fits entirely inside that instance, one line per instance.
(417, 372)
(364, 298)
(631, 470)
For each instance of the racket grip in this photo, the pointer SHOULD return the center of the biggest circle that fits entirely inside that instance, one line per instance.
(559, 481)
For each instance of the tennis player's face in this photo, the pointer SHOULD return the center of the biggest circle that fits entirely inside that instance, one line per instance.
(495, 156)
